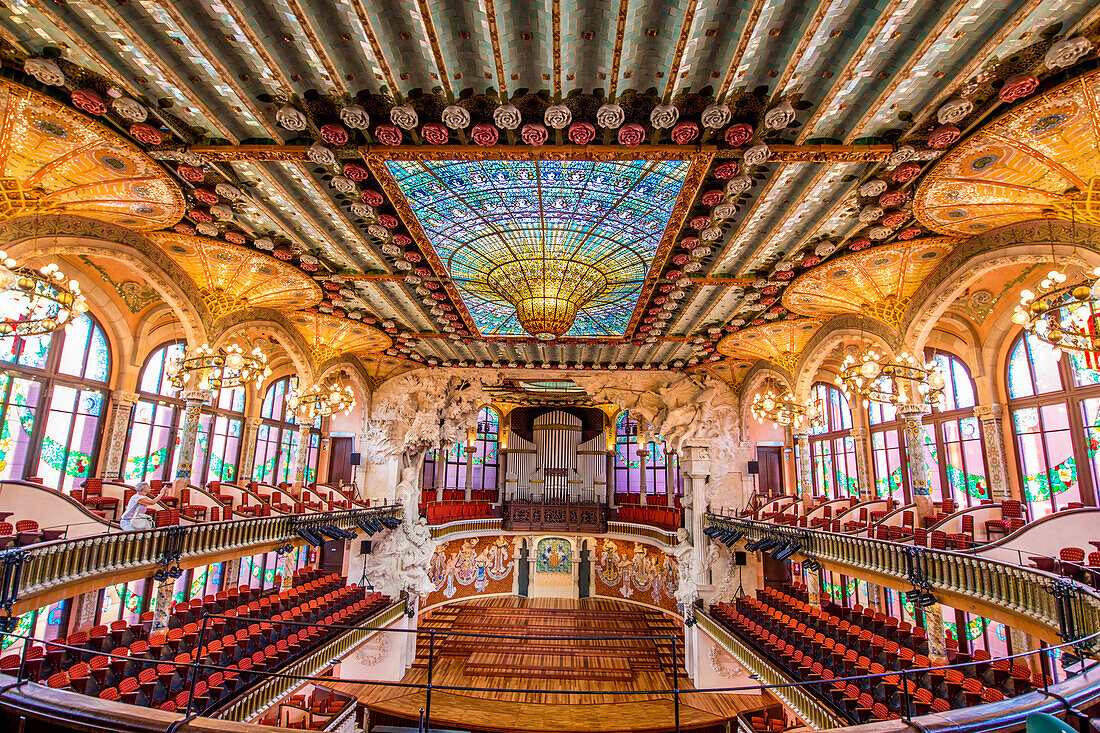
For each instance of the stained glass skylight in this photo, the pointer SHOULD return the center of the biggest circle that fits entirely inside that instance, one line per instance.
(504, 228)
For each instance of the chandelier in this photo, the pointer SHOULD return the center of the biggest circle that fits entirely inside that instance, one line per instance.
(1062, 313)
(319, 401)
(783, 410)
(36, 302)
(224, 368)
(873, 377)
(546, 292)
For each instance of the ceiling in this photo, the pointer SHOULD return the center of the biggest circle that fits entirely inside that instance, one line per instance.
(397, 145)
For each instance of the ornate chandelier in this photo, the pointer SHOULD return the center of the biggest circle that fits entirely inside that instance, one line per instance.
(547, 293)
(319, 401)
(783, 409)
(214, 370)
(1063, 313)
(36, 302)
(873, 377)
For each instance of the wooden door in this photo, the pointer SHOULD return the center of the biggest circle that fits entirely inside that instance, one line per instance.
(332, 556)
(339, 468)
(770, 458)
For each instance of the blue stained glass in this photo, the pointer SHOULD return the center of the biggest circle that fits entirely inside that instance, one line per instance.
(610, 215)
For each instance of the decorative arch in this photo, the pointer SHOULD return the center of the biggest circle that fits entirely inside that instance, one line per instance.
(263, 322)
(758, 376)
(832, 335)
(355, 376)
(1017, 244)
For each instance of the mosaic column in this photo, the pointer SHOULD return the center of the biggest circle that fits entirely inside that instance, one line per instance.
(231, 574)
(917, 453)
(863, 472)
(804, 479)
(934, 630)
(813, 588)
(874, 596)
(193, 402)
(470, 450)
(248, 452)
(288, 570)
(163, 608)
(695, 465)
(85, 609)
(300, 455)
(120, 425)
(993, 439)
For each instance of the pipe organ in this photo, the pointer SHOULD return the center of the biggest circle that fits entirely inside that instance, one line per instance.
(556, 467)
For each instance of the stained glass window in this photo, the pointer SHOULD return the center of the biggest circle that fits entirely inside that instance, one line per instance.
(1055, 410)
(483, 472)
(628, 467)
(832, 449)
(151, 443)
(52, 402)
(277, 438)
(954, 436)
(526, 217)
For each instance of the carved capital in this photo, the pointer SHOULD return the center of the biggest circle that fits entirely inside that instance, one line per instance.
(857, 433)
(196, 395)
(988, 413)
(253, 422)
(125, 399)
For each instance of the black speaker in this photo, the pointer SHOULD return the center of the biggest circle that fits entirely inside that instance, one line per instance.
(356, 458)
(365, 547)
(754, 468)
(740, 558)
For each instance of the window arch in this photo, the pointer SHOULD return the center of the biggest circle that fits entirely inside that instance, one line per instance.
(1055, 410)
(151, 439)
(276, 438)
(888, 454)
(832, 449)
(53, 390)
(661, 469)
(628, 467)
(953, 435)
(483, 472)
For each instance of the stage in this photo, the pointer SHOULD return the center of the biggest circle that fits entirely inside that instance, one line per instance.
(550, 672)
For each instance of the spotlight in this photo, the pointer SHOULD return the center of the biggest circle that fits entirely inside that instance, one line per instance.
(768, 544)
(791, 549)
(926, 599)
(309, 536)
(365, 525)
(811, 564)
(754, 544)
(711, 530)
(731, 538)
(778, 549)
(912, 595)
(390, 522)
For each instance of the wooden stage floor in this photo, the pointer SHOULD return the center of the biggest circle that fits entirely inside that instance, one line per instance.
(548, 669)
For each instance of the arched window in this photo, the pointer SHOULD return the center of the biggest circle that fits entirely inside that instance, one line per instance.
(628, 467)
(661, 469)
(276, 439)
(954, 436)
(1055, 408)
(483, 472)
(53, 391)
(832, 449)
(151, 443)
(888, 457)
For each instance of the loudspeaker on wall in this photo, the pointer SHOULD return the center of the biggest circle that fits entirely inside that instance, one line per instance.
(754, 468)
(365, 547)
(356, 458)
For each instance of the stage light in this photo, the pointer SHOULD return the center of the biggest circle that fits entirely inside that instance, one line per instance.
(365, 525)
(309, 536)
(733, 537)
(390, 521)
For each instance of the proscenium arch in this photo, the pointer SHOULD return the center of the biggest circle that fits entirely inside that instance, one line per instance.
(76, 236)
(1025, 243)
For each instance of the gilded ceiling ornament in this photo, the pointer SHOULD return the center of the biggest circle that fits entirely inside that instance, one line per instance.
(221, 212)
(954, 111)
(228, 190)
(355, 117)
(557, 116)
(870, 212)
(873, 187)
(757, 154)
(737, 186)
(404, 116)
(779, 116)
(507, 117)
(1067, 52)
(343, 184)
(130, 109)
(899, 156)
(716, 116)
(664, 116)
(456, 117)
(321, 155)
(290, 118)
(610, 116)
(45, 71)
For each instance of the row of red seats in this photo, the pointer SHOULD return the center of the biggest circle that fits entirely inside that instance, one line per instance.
(312, 712)
(489, 495)
(441, 512)
(26, 532)
(656, 516)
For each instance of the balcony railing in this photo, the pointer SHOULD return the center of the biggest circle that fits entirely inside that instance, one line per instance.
(1064, 607)
(33, 576)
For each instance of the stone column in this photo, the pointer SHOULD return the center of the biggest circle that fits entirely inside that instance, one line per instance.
(874, 596)
(993, 439)
(164, 603)
(804, 477)
(934, 629)
(917, 454)
(440, 472)
(300, 459)
(670, 481)
(248, 449)
(193, 402)
(695, 465)
(121, 413)
(468, 483)
(642, 455)
(863, 466)
(231, 574)
(84, 609)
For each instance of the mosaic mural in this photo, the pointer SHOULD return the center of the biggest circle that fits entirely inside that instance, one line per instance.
(636, 572)
(470, 567)
(554, 555)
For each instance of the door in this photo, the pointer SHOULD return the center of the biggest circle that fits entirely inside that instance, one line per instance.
(584, 573)
(770, 458)
(339, 468)
(332, 556)
(523, 570)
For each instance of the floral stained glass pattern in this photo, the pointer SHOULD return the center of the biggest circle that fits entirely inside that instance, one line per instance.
(486, 217)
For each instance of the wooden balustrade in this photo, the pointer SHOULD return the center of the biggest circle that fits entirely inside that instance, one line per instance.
(999, 588)
(33, 576)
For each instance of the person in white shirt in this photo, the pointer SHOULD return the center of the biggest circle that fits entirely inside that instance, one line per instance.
(134, 517)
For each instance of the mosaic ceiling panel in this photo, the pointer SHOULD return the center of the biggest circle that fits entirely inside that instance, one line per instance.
(55, 160)
(1044, 156)
(232, 278)
(500, 225)
(330, 336)
(780, 343)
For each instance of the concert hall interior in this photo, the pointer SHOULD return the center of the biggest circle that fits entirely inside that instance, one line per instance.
(529, 366)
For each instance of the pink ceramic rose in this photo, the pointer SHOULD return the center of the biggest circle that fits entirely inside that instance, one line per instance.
(435, 133)
(534, 133)
(907, 171)
(1018, 87)
(891, 198)
(943, 136)
(89, 101)
(485, 134)
(206, 196)
(388, 135)
(739, 134)
(726, 171)
(143, 132)
(581, 133)
(190, 172)
(372, 197)
(631, 134)
(235, 237)
(684, 132)
(909, 232)
(387, 221)
(713, 198)
(334, 134)
(355, 172)
(894, 219)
